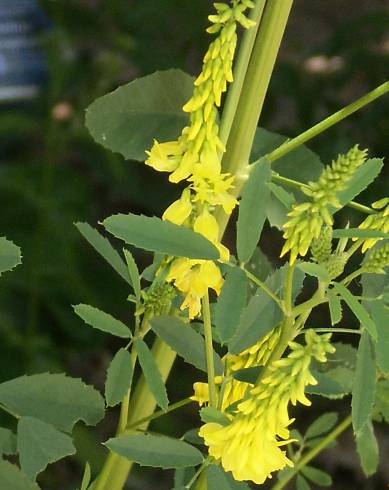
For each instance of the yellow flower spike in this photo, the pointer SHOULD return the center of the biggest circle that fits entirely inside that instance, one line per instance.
(206, 225)
(164, 157)
(249, 446)
(179, 211)
(378, 221)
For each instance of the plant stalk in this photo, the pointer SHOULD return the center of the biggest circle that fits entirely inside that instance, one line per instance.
(209, 351)
(313, 452)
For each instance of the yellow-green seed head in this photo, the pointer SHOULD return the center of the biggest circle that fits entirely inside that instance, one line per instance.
(377, 260)
(321, 247)
(378, 221)
(335, 264)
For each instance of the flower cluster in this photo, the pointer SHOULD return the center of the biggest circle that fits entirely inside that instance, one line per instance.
(196, 157)
(378, 221)
(308, 218)
(250, 445)
(377, 260)
(233, 389)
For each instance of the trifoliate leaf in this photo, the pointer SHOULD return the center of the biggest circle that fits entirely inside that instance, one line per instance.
(317, 476)
(321, 425)
(367, 448)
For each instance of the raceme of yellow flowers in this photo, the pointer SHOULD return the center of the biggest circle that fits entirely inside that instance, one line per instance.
(249, 445)
(196, 157)
(307, 219)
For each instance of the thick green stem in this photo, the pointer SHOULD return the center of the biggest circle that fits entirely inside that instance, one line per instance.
(313, 453)
(327, 123)
(240, 69)
(209, 351)
(259, 71)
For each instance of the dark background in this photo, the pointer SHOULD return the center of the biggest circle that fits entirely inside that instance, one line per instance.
(53, 174)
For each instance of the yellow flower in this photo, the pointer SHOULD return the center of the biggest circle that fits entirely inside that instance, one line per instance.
(179, 211)
(378, 221)
(206, 225)
(165, 157)
(194, 278)
(250, 445)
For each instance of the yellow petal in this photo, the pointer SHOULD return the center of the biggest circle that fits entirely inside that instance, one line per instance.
(179, 210)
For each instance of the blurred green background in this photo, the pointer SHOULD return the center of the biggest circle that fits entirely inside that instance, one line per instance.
(52, 174)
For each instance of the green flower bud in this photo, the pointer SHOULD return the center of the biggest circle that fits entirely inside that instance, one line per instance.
(321, 247)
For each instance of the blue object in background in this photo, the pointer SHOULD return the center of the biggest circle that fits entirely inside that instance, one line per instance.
(23, 65)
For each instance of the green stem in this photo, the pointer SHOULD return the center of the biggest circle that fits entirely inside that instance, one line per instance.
(209, 351)
(327, 123)
(316, 300)
(263, 286)
(10, 412)
(259, 71)
(159, 413)
(288, 299)
(352, 276)
(354, 247)
(300, 185)
(242, 63)
(126, 400)
(336, 330)
(313, 453)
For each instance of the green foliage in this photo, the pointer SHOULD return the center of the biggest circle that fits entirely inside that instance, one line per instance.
(86, 478)
(119, 377)
(231, 303)
(364, 384)
(185, 341)
(359, 233)
(367, 448)
(102, 321)
(12, 478)
(151, 373)
(10, 255)
(156, 235)
(356, 307)
(53, 398)
(134, 273)
(127, 120)
(7, 442)
(380, 315)
(314, 270)
(301, 483)
(317, 476)
(252, 209)
(39, 444)
(321, 425)
(218, 479)
(381, 408)
(105, 249)
(213, 415)
(159, 451)
(335, 307)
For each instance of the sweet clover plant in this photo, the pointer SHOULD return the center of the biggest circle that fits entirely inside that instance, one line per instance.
(244, 324)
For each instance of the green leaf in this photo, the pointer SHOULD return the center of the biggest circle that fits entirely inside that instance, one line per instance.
(86, 479)
(152, 374)
(102, 321)
(317, 476)
(322, 425)
(358, 233)
(314, 270)
(134, 273)
(182, 476)
(119, 377)
(218, 479)
(7, 442)
(157, 235)
(361, 179)
(252, 209)
(213, 415)
(367, 448)
(53, 398)
(260, 265)
(105, 249)
(262, 314)
(40, 444)
(335, 307)
(380, 315)
(248, 375)
(356, 307)
(10, 255)
(230, 304)
(381, 409)
(286, 198)
(301, 483)
(12, 478)
(183, 339)
(127, 120)
(157, 451)
(364, 384)
(329, 385)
